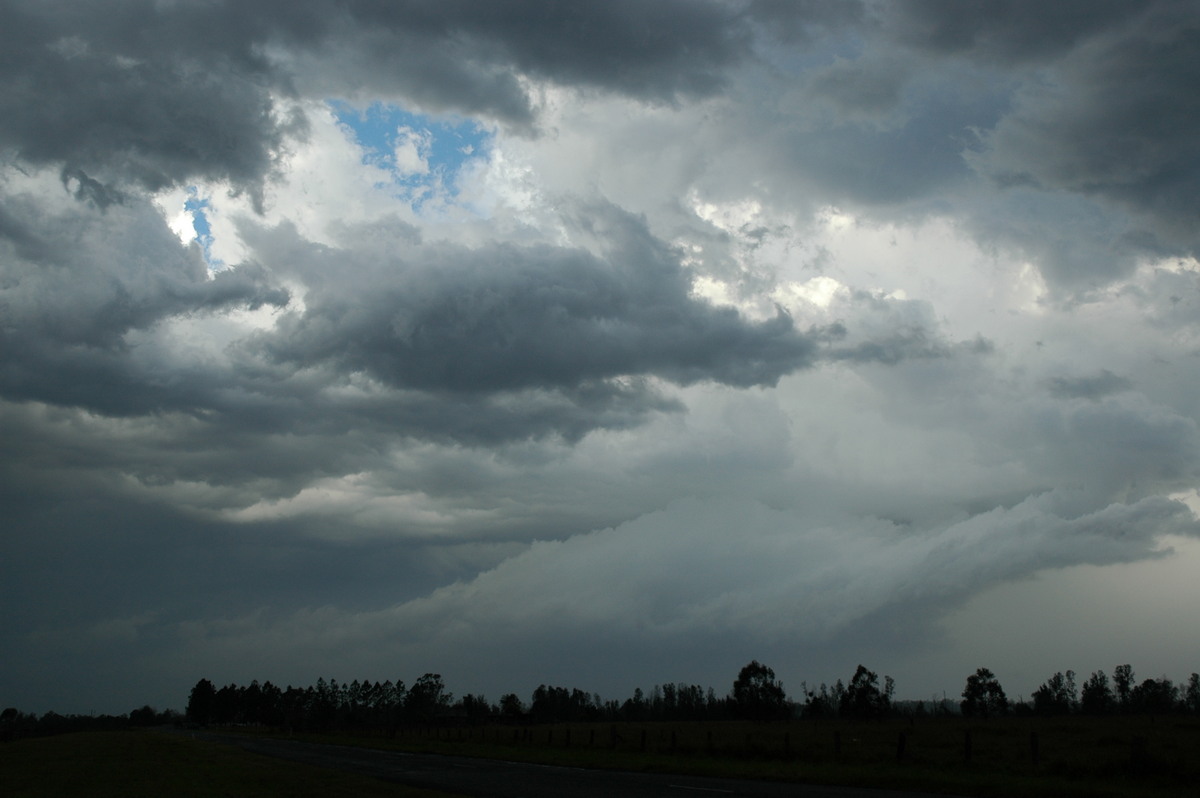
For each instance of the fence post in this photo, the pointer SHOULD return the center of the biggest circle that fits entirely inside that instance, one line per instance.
(1033, 748)
(967, 745)
(901, 744)
(837, 745)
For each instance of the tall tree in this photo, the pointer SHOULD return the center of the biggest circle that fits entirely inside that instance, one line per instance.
(1056, 696)
(983, 696)
(1123, 684)
(757, 695)
(1155, 696)
(427, 698)
(201, 703)
(1096, 697)
(1191, 694)
(511, 706)
(863, 698)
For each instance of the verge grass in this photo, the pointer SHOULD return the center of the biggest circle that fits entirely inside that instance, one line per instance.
(148, 764)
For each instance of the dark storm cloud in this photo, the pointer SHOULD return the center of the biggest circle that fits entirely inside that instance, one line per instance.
(469, 56)
(509, 318)
(652, 50)
(804, 19)
(1118, 120)
(115, 91)
(1094, 387)
(1005, 30)
(1084, 110)
(189, 484)
(80, 306)
(72, 289)
(162, 93)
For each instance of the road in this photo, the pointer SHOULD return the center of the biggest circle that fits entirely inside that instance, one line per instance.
(487, 778)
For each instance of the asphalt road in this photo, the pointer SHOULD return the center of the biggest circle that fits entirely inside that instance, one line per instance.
(486, 778)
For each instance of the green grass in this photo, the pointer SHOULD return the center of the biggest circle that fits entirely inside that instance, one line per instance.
(1077, 757)
(147, 764)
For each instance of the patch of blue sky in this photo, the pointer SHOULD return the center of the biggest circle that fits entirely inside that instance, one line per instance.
(423, 153)
(197, 207)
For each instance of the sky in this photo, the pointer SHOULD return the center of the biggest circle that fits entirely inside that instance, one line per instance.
(595, 344)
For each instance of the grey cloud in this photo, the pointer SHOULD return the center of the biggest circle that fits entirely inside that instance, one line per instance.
(95, 87)
(1077, 243)
(76, 533)
(861, 88)
(882, 141)
(1004, 30)
(1079, 114)
(87, 273)
(1124, 448)
(83, 290)
(705, 575)
(357, 483)
(876, 328)
(805, 20)
(78, 281)
(651, 50)
(163, 93)
(506, 317)
(1094, 387)
(1117, 120)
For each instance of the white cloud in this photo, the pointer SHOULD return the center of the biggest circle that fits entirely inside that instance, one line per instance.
(412, 151)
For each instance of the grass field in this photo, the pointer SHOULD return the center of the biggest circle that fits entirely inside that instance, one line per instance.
(147, 764)
(1072, 757)
(1075, 757)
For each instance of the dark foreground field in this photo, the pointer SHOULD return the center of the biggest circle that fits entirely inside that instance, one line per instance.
(1008, 757)
(1075, 756)
(146, 764)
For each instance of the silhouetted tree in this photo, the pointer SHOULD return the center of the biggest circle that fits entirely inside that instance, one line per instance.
(757, 695)
(201, 703)
(820, 703)
(1056, 696)
(145, 716)
(1123, 684)
(635, 708)
(983, 696)
(427, 698)
(1096, 697)
(475, 707)
(1154, 697)
(862, 698)
(511, 707)
(549, 704)
(322, 704)
(1191, 694)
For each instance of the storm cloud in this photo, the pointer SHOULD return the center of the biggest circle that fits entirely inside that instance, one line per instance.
(631, 340)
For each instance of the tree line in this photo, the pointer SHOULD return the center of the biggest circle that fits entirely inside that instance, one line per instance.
(756, 695)
(386, 706)
(1122, 694)
(15, 724)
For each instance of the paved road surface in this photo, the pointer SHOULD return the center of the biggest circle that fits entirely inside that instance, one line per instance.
(487, 778)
